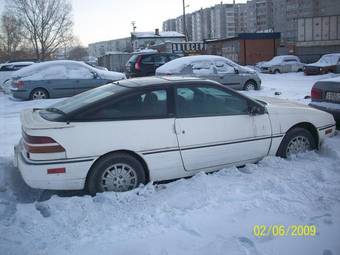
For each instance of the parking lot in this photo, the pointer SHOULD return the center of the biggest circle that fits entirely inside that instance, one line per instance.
(205, 214)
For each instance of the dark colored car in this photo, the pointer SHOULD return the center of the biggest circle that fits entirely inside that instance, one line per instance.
(326, 96)
(329, 63)
(145, 64)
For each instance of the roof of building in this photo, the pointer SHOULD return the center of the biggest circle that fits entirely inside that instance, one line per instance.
(250, 36)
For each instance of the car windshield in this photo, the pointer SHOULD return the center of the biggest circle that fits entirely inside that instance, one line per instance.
(62, 108)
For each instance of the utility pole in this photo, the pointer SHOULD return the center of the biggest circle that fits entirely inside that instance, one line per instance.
(184, 22)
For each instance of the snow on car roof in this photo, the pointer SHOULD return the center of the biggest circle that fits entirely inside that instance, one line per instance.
(327, 60)
(176, 65)
(40, 70)
(278, 59)
(17, 63)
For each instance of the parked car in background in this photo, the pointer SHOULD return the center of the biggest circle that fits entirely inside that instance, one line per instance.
(329, 63)
(60, 78)
(215, 68)
(281, 64)
(123, 134)
(7, 69)
(325, 96)
(145, 64)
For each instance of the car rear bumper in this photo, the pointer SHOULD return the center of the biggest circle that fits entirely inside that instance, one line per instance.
(332, 108)
(35, 173)
(21, 94)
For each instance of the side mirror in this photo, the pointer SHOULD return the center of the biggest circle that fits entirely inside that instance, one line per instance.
(236, 70)
(94, 75)
(255, 110)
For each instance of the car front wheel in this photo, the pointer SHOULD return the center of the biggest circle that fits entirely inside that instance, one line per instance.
(117, 172)
(296, 141)
(250, 85)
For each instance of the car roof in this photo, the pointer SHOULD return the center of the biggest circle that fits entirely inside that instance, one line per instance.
(158, 80)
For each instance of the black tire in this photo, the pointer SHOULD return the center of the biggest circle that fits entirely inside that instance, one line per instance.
(250, 85)
(276, 71)
(295, 133)
(95, 180)
(300, 70)
(39, 91)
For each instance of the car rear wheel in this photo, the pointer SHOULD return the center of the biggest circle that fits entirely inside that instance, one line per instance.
(250, 85)
(39, 94)
(277, 71)
(296, 141)
(117, 172)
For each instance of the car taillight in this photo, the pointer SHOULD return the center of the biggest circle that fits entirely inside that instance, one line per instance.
(316, 93)
(19, 84)
(137, 64)
(41, 144)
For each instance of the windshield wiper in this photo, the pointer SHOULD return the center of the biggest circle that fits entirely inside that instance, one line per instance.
(55, 110)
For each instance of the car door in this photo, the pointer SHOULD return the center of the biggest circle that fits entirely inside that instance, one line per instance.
(214, 128)
(54, 79)
(227, 74)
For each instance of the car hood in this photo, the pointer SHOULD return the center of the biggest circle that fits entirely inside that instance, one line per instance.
(283, 103)
(110, 75)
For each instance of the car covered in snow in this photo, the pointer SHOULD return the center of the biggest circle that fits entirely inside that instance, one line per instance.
(120, 135)
(325, 96)
(215, 68)
(7, 69)
(281, 64)
(60, 78)
(329, 63)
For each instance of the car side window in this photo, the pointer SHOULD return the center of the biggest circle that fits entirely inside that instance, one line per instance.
(200, 101)
(6, 68)
(202, 68)
(151, 104)
(223, 67)
(148, 60)
(160, 60)
(75, 71)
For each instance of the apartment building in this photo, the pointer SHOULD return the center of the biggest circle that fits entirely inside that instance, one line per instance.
(98, 49)
(169, 25)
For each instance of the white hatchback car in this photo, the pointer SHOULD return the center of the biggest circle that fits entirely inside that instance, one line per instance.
(120, 135)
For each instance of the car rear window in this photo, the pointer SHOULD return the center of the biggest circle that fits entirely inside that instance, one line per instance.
(133, 58)
(59, 110)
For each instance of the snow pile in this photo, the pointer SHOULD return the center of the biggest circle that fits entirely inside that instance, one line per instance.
(327, 60)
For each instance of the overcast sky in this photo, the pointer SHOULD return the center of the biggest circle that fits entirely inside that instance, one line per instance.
(99, 20)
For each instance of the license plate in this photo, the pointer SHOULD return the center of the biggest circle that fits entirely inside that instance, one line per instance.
(333, 96)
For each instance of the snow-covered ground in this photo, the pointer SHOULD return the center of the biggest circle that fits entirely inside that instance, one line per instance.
(206, 214)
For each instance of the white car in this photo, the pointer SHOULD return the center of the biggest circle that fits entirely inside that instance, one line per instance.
(7, 69)
(281, 64)
(120, 135)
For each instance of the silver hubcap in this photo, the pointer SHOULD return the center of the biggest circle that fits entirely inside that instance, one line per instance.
(250, 86)
(39, 94)
(297, 145)
(119, 177)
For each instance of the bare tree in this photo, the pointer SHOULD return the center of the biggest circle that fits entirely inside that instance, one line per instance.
(46, 23)
(12, 35)
(77, 53)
